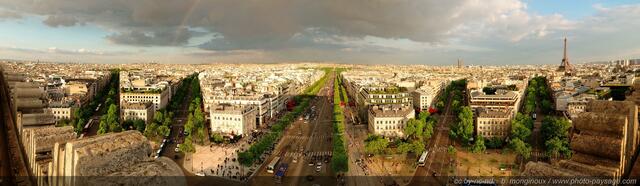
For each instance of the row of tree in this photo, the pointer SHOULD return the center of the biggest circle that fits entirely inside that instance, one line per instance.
(456, 88)
(538, 96)
(195, 126)
(340, 158)
(268, 140)
(463, 128)
(159, 128)
(82, 115)
(110, 121)
(555, 131)
(521, 127)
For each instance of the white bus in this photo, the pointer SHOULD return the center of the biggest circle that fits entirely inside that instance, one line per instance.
(272, 165)
(423, 159)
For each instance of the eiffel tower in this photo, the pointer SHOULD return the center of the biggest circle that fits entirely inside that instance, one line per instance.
(565, 66)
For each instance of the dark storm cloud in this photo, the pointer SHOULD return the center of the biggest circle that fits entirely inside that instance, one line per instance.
(5, 14)
(255, 24)
(60, 20)
(160, 37)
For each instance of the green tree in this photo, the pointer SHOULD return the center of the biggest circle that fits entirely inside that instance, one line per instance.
(440, 105)
(520, 148)
(188, 127)
(556, 147)
(115, 127)
(404, 148)
(150, 130)
(525, 120)
(79, 126)
(139, 125)
(108, 101)
(103, 128)
(452, 134)
(376, 146)
(163, 131)
(478, 146)
(456, 106)
(410, 128)
(518, 130)
(554, 127)
(158, 117)
(494, 143)
(451, 150)
(423, 115)
(200, 135)
(428, 130)
(465, 126)
(546, 106)
(418, 147)
(187, 146)
(217, 137)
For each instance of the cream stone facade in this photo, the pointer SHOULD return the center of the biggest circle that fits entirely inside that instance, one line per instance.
(233, 119)
(389, 120)
(132, 111)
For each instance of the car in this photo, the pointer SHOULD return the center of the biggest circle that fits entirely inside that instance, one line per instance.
(311, 163)
(177, 150)
(318, 168)
(295, 159)
(319, 164)
(155, 157)
(326, 160)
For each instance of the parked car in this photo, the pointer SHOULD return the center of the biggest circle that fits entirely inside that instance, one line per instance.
(318, 168)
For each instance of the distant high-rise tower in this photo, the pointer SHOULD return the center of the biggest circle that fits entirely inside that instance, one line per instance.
(459, 63)
(565, 66)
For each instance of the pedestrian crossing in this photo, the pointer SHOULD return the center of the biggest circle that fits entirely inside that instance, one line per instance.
(307, 137)
(300, 154)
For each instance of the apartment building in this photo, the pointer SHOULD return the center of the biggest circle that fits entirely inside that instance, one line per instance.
(136, 87)
(425, 95)
(267, 90)
(390, 119)
(233, 119)
(493, 123)
(374, 96)
(134, 111)
(494, 112)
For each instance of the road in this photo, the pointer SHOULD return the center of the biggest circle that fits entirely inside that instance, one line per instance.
(313, 137)
(438, 158)
(356, 135)
(176, 131)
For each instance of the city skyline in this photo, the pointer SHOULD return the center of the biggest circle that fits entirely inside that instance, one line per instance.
(404, 32)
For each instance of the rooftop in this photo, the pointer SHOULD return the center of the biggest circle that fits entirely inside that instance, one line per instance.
(390, 110)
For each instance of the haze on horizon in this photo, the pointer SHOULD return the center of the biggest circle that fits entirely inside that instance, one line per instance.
(355, 31)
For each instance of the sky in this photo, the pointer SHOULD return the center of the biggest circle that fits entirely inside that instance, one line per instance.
(431, 32)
